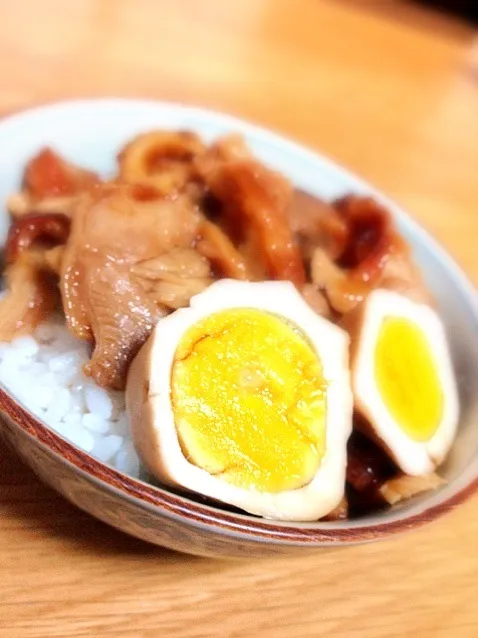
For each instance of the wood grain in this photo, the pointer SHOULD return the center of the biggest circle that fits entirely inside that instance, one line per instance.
(385, 88)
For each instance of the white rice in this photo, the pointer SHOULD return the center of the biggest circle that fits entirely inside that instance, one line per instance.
(44, 372)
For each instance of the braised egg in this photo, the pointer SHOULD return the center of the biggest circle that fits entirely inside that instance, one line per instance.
(403, 379)
(245, 397)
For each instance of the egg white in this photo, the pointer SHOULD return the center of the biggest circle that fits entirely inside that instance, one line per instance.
(413, 457)
(152, 415)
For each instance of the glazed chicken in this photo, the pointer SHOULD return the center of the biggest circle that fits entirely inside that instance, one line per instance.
(51, 184)
(181, 215)
(316, 224)
(31, 260)
(31, 296)
(110, 259)
(253, 201)
(367, 253)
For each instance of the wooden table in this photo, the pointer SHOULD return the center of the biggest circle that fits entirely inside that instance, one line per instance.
(387, 89)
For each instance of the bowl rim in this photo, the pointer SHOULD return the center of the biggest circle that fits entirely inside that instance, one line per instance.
(181, 508)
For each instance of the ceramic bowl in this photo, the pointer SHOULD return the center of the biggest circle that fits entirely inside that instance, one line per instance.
(90, 133)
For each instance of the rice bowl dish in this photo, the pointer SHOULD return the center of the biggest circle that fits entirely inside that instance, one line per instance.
(250, 401)
(83, 352)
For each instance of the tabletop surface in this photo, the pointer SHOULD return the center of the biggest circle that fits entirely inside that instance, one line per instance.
(387, 89)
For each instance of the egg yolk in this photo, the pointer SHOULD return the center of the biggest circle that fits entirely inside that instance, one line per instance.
(407, 378)
(249, 400)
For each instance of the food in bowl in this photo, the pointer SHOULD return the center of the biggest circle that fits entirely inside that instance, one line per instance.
(244, 319)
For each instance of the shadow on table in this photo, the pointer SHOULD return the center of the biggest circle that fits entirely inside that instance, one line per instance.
(30, 504)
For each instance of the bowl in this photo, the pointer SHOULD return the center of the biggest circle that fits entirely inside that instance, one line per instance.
(90, 133)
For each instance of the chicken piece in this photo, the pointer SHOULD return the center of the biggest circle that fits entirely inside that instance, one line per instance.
(114, 228)
(53, 259)
(402, 275)
(403, 487)
(341, 291)
(368, 468)
(174, 277)
(254, 200)
(375, 252)
(20, 204)
(215, 245)
(50, 185)
(374, 256)
(43, 230)
(373, 479)
(31, 285)
(49, 175)
(163, 159)
(316, 224)
(228, 148)
(31, 296)
(178, 263)
(316, 300)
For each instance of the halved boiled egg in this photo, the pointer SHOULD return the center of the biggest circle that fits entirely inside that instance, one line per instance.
(245, 397)
(403, 380)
